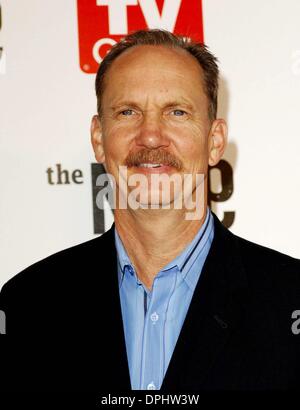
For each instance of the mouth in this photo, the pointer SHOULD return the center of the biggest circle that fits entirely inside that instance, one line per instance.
(149, 167)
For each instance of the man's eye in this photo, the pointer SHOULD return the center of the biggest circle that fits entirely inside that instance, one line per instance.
(178, 113)
(126, 112)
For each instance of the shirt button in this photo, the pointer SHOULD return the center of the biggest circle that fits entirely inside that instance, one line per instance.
(154, 317)
(151, 386)
(130, 269)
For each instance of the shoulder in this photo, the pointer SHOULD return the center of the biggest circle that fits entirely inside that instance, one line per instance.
(252, 255)
(269, 271)
(70, 264)
(255, 254)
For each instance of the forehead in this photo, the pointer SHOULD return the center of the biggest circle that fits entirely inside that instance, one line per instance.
(150, 69)
(141, 53)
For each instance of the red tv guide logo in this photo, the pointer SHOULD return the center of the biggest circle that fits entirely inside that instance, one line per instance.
(102, 23)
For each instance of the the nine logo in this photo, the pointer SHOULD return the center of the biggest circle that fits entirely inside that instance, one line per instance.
(102, 23)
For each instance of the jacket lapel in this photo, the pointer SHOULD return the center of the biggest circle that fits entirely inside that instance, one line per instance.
(115, 357)
(215, 310)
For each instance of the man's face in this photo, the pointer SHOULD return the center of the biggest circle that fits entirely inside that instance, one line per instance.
(155, 111)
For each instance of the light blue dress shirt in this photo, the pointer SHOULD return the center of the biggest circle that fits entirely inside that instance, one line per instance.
(152, 320)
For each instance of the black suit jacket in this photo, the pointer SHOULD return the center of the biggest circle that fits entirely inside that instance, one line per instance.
(65, 330)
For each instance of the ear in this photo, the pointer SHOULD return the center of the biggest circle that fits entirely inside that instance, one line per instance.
(97, 139)
(217, 141)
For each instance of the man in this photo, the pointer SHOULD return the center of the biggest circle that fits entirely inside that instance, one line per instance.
(167, 298)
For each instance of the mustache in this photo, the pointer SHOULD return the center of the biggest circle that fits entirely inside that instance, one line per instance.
(156, 156)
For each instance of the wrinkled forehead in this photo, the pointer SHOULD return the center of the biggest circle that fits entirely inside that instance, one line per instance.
(156, 52)
(149, 69)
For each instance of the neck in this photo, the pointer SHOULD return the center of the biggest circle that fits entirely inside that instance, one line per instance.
(154, 237)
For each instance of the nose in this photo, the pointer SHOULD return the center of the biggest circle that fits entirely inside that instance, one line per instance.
(151, 133)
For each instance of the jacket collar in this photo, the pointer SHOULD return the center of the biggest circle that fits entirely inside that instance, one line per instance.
(215, 311)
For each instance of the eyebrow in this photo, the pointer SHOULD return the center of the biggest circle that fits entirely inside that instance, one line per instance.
(182, 104)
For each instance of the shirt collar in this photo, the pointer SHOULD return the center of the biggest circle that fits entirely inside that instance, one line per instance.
(183, 261)
(186, 259)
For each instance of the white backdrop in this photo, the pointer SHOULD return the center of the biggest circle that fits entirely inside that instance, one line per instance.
(46, 103)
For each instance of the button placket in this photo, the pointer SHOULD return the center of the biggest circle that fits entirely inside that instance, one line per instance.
(153, 347)
(151, 343)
